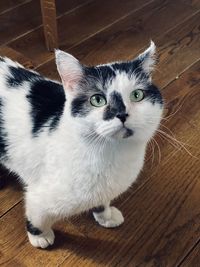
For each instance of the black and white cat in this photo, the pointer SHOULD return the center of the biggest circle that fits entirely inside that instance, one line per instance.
(77, 145)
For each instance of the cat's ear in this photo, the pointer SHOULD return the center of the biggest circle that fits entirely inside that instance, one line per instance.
(148, 58)
(69, 68)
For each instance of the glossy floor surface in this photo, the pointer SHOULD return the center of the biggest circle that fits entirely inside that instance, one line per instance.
(162, 210)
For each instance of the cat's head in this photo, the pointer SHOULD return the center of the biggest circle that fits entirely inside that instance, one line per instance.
(115, 100)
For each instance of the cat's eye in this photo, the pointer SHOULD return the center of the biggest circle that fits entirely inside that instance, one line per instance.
(137, 95)
(98, 100)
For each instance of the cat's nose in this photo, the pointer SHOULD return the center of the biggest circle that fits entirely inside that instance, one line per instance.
(122, 116)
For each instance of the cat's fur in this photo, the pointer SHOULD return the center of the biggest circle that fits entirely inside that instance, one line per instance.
(70, 155)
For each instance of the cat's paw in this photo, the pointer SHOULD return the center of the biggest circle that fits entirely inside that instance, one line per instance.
(43, 240)
(109, 218)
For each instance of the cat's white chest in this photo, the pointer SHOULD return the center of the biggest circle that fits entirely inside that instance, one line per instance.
(97, 178)
(75, 178)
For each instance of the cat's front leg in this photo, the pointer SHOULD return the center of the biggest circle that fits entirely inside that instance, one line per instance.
(108, 216)
(38, 223)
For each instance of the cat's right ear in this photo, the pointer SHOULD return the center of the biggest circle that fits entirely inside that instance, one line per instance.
(69, 68)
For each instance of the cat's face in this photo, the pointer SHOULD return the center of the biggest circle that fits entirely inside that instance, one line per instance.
(114, 101)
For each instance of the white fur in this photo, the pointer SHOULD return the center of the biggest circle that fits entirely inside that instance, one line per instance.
(64, 175)
(149, 58)
(42, 241)
(69, 68)
(111, 217)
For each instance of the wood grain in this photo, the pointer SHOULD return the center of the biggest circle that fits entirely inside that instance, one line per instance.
(10, 195)
(6, 51)
(83, 22)
(49, 24)
(7, 5)
(25, 18)
(19, 24)
(117, 41)
(162, 210)
(193, 260)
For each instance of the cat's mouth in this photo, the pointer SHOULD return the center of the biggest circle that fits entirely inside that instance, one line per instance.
(128, 133)
(123, 132)
(120, 132)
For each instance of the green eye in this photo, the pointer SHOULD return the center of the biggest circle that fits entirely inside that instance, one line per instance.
(98, 100)
(137, 95)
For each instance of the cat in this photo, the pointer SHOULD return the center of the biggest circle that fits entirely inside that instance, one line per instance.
(77, 145)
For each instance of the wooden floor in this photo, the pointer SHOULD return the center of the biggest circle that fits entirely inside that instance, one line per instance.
(162, 210)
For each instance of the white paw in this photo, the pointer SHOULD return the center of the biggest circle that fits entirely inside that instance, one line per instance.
(42, 241)
(109, 218)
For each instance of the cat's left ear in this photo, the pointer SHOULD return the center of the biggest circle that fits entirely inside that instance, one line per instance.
(148, 58)
(69, 68)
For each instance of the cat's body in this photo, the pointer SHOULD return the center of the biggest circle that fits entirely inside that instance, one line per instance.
(68, 158)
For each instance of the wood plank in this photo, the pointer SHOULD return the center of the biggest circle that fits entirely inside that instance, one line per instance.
(193, 259)
(180, 48)
(84, 22)
(196, 3)
(30, 19)
(16, 56)
(116, 42)
(7, 5)
(11, 193)
(151, 232)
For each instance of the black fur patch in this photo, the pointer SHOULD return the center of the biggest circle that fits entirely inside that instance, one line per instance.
(47, 100)
(115, 106)
(20, 75)
(98, 209)
(3, 134)
(31, 229)
(78, 106)
(124, 66)
(2, 59)
(102, 73)
(131, 67)
(153, 94)
(107, 74)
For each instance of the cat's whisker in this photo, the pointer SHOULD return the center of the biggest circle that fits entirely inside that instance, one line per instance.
(159, 150)
(153, 151)
(151, 144)
(172, 134)
(169, 140)
(175, 112)
(176, 142)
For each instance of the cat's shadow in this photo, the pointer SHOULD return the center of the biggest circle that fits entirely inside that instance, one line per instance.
(8, 179)
(87, 247)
